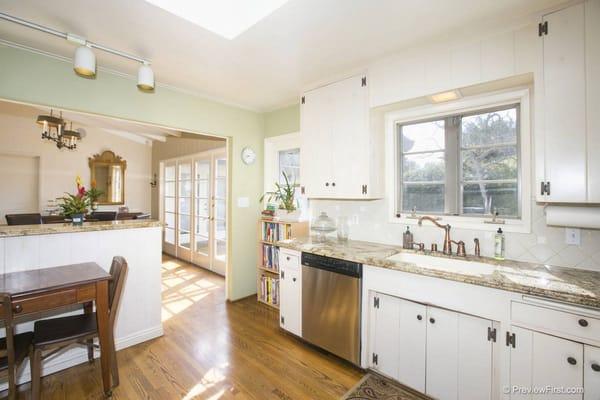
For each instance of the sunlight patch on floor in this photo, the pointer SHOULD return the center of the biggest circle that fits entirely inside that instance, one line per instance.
(210, 379)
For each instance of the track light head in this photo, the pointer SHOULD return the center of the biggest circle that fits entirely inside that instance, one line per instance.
(84, 62)
(145, 78)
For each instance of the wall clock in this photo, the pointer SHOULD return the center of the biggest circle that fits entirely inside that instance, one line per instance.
(248, 155)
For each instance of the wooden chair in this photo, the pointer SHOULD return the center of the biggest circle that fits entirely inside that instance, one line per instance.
(53, 219)
(24, 219)
(13, 348)
(52, 335)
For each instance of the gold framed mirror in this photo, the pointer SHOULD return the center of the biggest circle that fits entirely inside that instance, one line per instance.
(108, 171)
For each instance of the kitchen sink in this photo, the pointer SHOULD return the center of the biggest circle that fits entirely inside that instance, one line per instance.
(444, 264)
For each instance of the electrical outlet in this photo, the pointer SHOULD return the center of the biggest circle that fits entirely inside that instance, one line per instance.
(573, 236)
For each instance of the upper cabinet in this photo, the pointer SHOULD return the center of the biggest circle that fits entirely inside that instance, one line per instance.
(571, 126)
(339, 156)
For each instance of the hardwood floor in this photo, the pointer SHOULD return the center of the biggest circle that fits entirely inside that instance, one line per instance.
(211, 349)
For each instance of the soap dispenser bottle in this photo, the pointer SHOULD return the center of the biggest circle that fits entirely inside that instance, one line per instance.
(407, 239)
(499, 245)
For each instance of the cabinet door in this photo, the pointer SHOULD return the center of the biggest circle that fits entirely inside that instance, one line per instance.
(316, 130)
(442, 354)
(591, 372)
(565, 105)
(539, 361)
(290, 302)
(474, 358)
(350, 138)
(385, 325)
(411, 343)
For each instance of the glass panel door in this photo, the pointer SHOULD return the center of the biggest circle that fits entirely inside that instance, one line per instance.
(184, 211)
(220, 213)
(202, 194)
(168, 207)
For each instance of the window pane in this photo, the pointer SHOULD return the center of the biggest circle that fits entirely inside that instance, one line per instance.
(170, 204)
(220, 209)
(184, 239)
(220, 233)
(490, 163)
(170, 173)
(202, 226)
(221, 249)
(202, 207)
(170, 220)
(289, 162)
(185, 205)
(170, 189)
(425, 136)
(425, 167)
(220, 187)
(185, 188)
(496, 127)
(185, 171)
(202, 169)
(222, 168)
(423, 197)
(184, 223)
(483, 198)
(169, 235)
(202, 189)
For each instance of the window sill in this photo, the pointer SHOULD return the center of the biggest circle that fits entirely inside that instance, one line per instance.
(474, 223)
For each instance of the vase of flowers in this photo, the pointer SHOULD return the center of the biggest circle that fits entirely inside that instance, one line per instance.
(75, 206)
(285, 196)
(94, 194)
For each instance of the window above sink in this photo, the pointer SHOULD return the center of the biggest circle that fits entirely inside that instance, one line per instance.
(462, 161)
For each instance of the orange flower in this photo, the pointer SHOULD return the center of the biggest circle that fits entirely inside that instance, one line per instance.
(93, 184)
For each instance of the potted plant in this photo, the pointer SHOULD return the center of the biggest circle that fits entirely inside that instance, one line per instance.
(284, 195)
(94, 194)
(75, 206)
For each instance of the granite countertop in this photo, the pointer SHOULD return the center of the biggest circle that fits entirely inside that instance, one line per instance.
(571, 285)
(48, 229)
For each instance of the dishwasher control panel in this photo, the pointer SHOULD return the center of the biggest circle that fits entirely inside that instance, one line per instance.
(344, 267)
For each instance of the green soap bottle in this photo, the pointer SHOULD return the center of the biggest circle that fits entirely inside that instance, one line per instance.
(499, 245)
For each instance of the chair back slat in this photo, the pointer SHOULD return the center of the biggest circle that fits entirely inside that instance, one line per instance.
(24, 219)
(118, 272)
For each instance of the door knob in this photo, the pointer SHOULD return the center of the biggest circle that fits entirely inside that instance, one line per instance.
(583, 322)
(572, 361)
(596, 367)
(17, 308)
(432, 320)
(419, 317)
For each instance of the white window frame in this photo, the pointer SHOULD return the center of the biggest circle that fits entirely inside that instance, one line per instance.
(273, 145)
(519, 96)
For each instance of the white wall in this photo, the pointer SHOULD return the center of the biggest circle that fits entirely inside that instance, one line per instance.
(20, 135)
(461, 61)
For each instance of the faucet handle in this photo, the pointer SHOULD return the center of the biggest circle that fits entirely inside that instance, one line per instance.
(477, 247)
(461, 250)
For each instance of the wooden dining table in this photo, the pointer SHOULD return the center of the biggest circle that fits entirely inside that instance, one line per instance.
(48, 289)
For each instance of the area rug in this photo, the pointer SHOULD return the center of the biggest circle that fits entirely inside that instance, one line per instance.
(373, 386)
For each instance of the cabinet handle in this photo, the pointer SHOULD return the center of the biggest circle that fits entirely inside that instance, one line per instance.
(294, 279)
(596, 367)
(542, 188)
(583, 322)
(326, 183)
(432, 320)
(287, 258)
(419, 317)
(572, 361)
(17, 308)
(332, 183)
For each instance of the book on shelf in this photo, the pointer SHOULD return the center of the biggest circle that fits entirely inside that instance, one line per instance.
(269, 289)
(273, 232)
(270, 257)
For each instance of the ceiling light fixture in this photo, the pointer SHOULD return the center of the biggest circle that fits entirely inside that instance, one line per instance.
(227, 18)
(145, 78)
(84, 61)
(53, 129)
(445, 96)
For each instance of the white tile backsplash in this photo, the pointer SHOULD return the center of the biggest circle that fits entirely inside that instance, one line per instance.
(545, 244)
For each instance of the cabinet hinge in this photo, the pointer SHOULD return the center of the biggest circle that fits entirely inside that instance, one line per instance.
(375, 359)
(375, 302)
(364, 189)
(303, 100)
(282, 273)
(282, 320)
(492, 334)
(511, 339)
(543, 28)
(545, 188)
(363, 81)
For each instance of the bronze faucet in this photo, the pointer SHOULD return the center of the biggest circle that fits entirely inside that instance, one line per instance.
(461, 250)
(447, 242)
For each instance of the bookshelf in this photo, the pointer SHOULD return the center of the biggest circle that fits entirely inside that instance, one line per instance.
(270, 231)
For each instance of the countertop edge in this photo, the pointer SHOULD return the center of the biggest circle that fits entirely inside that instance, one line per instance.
(8, 231)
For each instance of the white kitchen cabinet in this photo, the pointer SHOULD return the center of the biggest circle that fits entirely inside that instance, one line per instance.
(539, 361)
(385, 356)
(442, 354)
(290, 292)
(591, 372)
(411, 341)
(339, 156)
(571, 126)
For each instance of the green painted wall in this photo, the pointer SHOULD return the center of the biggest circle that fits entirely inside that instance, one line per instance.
(33, 78)
(282, 121)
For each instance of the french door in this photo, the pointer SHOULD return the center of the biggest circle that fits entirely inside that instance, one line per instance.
(196, 214)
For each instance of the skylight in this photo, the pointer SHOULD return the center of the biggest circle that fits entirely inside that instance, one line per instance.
(227, 18)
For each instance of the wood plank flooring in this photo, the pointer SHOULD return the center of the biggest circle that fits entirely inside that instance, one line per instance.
(212, 349)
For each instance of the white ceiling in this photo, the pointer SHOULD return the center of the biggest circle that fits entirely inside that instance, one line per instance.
(267, 66)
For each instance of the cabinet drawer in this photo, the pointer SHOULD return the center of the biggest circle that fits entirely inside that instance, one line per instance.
(555, 321)
(289, 259)
(45, 302)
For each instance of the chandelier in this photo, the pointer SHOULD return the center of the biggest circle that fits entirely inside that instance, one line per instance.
(54, 130)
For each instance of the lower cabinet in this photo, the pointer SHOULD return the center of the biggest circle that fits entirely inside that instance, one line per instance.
(290, 293)
(445, 354)
(548, 367)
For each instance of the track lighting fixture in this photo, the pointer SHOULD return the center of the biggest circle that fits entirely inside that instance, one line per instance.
(145, 78)
(84, 62)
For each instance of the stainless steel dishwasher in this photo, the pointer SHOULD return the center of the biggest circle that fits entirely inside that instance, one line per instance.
(331, 304)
